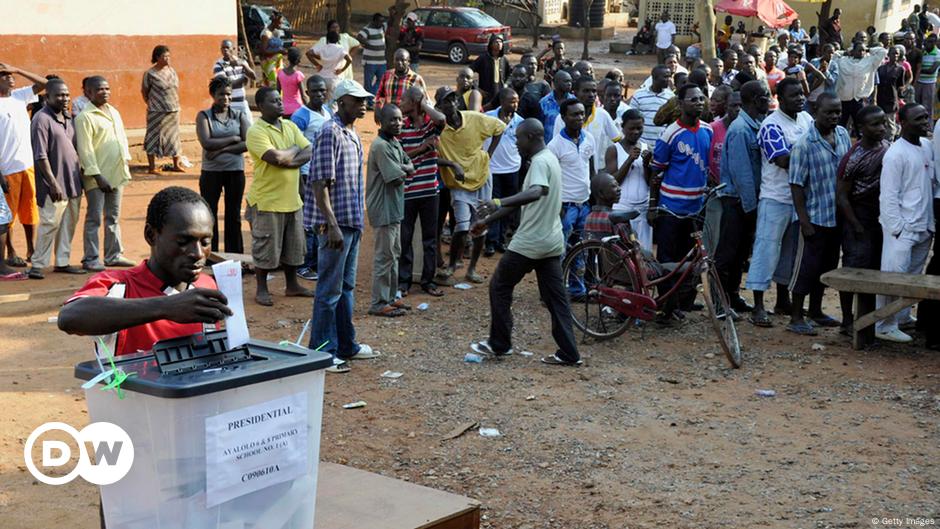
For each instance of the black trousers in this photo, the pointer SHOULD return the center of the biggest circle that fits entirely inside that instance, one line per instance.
(426, 209)
(849, 109)
(211, 185)
(673, 239)
(815, 255)
(509, 272)
(736, 237)
(928, 312)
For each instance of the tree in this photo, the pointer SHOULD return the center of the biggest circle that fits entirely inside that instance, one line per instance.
(343, 12)
(708, 30)
(586, 22)
(396, 12)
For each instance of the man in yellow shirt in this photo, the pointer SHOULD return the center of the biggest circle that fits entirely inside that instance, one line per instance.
(275, 210)
(467, 174)
(103, 152)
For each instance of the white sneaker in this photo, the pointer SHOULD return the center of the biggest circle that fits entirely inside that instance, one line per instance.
(483, 347)
(365, 353)
(339, 366)
(894, 335)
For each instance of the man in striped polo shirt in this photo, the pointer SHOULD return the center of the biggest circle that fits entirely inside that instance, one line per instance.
(678, 182)
(372, 38)
(649, 100)
(238, 72)
(419, 137)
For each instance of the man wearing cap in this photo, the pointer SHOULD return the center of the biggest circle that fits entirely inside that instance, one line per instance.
(462, 143)
(275, 211)
(16, 154)
(334, 198)
(394, 82)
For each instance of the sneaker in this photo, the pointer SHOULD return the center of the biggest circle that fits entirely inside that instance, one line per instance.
(308, 274)
(365, 353)
(894, 335)
(341, 367)
(554, 360)
(483, 348)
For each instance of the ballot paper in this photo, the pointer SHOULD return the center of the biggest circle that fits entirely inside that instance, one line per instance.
(228, 277)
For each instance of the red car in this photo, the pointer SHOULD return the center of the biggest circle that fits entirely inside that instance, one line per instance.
(458, 32)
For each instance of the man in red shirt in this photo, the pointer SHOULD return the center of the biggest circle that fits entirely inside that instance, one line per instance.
(163, 297)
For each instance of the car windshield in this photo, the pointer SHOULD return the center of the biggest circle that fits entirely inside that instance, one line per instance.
(480, 19)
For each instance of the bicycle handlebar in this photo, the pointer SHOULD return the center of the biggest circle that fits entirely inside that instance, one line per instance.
(710, 194)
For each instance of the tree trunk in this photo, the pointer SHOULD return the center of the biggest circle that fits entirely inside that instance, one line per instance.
(823, 13)
(587, 28)
(708, 30)
(343, 12)
(396, 13)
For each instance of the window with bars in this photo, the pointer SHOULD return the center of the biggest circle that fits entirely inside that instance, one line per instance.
(681, 12)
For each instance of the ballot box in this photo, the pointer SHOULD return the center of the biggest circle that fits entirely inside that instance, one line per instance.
(222, 439)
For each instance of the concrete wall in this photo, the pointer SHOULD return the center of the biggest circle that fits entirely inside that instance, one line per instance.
(859, 14)
(114, 38)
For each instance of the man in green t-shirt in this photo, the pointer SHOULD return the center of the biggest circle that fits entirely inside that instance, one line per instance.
(536, 245)
(389, 166)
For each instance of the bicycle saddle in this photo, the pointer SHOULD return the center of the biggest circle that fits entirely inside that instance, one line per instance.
(622, 217)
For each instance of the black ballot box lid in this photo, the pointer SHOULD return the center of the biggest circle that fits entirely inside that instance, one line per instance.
(201, 363)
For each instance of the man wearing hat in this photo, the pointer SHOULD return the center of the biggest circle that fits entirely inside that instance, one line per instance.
(334, 201)
(462, 144)
(16, 154)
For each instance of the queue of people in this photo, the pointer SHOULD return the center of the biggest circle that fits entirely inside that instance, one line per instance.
(526, 166)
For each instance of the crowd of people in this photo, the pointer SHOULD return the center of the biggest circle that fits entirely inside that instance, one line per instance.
(523, 159)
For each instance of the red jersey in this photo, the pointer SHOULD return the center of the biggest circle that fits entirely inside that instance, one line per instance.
(139, 282)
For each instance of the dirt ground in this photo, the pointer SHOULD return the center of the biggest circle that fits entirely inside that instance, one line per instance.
(653, 431)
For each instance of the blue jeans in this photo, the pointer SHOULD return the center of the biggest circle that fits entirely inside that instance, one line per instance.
(572, 226)
(333, 305)
(504, 185)
(773, 254)
(310, 257)
(372, 74)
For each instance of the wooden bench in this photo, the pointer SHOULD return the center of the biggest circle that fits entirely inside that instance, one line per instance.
(865, 284)
(348, 498)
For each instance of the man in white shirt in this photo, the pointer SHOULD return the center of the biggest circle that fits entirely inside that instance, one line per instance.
(649, 100)
(16, 154)
(907, 216)
(857, 79)
(773, 254)
(665, 36)
(574, 147)
(597, 121)
(504, 164)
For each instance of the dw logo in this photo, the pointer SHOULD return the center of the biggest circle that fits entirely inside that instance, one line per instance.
(110, 444)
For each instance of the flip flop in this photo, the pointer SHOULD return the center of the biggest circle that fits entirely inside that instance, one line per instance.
(474, 277)
(760, 322)
(14, 276)
(826, 321)
(264, 301)
(16, 261)
(389, 311)
(35, 273)
(432, 290)
(555, 361)
(802, 328)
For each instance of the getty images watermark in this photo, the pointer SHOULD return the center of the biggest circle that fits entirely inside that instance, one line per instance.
(110, 444)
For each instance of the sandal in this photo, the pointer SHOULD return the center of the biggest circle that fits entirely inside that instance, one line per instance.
(763, 321)
(264, 301)
(14, 276)
(389, 311)
(399, 304)
(474, 277)
(35, 273)
(432, 290)
(802, 328)
(16, 261)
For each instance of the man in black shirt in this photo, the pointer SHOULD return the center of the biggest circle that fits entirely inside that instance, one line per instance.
(888, 90)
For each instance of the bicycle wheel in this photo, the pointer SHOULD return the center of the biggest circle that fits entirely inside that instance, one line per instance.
(719, 310)
(587, 266)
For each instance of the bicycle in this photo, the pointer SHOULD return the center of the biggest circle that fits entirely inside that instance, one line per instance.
(619, 281)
